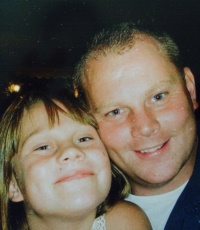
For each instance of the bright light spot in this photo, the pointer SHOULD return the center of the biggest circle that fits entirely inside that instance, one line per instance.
(14, 88)
(76, 92)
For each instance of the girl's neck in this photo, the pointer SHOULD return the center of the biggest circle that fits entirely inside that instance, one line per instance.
(52, 223)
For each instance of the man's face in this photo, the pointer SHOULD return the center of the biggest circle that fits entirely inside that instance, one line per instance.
(145, 115)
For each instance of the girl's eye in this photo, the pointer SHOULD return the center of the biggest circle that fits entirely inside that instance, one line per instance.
(44, 147)
(84, 139)
(114, 112)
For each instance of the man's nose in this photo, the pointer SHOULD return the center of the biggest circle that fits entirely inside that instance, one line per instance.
(144, 123)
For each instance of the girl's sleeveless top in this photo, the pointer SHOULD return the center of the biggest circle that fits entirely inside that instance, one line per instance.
(99, 223)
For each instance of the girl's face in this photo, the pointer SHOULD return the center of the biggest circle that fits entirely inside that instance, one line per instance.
(62, 171)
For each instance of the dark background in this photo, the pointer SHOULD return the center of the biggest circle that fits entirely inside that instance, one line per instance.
(43, 39)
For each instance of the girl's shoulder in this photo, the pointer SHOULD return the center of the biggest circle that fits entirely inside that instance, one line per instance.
(126, 215)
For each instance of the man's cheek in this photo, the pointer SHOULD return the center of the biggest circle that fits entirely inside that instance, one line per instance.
(111, 135)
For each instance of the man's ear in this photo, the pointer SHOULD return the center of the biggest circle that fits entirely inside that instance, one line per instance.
(15, 194)
(190, 84)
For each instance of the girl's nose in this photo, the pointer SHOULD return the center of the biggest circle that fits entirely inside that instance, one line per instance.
(70, 153)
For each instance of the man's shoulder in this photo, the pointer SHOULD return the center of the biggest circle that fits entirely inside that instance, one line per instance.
(198, 127)
(191, 193)
(186, 212)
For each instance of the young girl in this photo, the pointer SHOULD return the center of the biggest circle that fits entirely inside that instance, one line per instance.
(55, 172)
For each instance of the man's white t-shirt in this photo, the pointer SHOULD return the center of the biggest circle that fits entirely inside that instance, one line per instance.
(158, 207)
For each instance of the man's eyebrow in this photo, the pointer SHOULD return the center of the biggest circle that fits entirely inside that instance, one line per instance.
(98, 109)
(161, 84)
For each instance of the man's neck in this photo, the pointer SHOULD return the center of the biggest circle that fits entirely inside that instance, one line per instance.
(147, 189)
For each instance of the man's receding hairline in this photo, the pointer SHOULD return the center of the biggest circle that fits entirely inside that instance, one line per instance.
(120, 49)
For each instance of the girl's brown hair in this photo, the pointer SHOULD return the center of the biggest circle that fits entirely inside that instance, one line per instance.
(13, 215)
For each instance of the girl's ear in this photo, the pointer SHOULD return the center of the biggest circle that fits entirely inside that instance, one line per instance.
(15, 194)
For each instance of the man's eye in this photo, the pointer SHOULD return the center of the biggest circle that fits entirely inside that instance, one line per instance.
(159, 96)
(44, 147)
(158, 99)
(114, 112)
(84, 139)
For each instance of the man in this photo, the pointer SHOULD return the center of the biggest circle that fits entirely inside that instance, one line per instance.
(144, 102)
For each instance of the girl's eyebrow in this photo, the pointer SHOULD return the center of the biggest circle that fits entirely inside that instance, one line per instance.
(30, 135)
